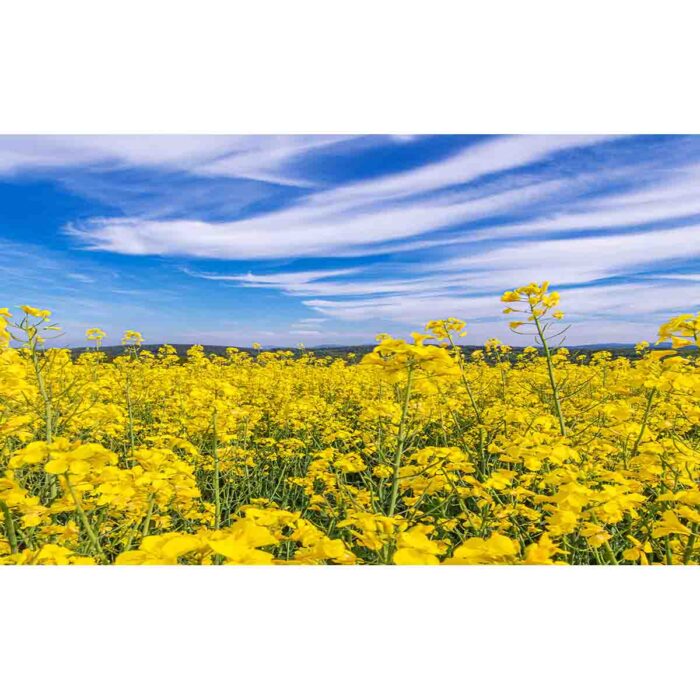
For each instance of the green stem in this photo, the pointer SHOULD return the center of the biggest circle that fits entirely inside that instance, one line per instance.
(86, 525)
(149, 515)
(400, 446)
(217, 478)
(550, 372)
(132, 441)
(472, 400)
(48, 413)
(465, 381)
(609, 551)
(687, 553)
(647, 411)
(606, 545)
(9, 527)
(48, 409)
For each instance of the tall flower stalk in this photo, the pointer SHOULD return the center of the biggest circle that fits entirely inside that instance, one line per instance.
(533, 301)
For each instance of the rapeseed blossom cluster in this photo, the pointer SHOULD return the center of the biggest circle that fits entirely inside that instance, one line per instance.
(417, 454)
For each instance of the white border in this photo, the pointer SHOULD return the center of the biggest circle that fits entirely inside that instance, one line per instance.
(318, 632)
(310, 66)
(361, 67)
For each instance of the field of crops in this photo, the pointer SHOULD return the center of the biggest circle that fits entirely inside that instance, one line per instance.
(415, 455)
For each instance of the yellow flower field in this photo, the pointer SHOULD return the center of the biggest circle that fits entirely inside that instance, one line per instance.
(417, 454)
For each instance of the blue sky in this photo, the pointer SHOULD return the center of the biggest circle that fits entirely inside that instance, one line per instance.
(333, 239)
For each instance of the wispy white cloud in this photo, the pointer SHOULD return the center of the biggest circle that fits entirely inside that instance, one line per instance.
(395, 280)
(621, 268)
(337, 220)
(311, 321)
(496, 155)
(607, 214)
(302, 231)
(577, 260)
(563, 261)
(625, 312)
(265, 158)
(689, 277)
(305, 331)
(280, 280)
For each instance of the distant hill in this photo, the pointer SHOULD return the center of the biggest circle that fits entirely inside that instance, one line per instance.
(601, 346)
(617, 349)
(182, 348)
